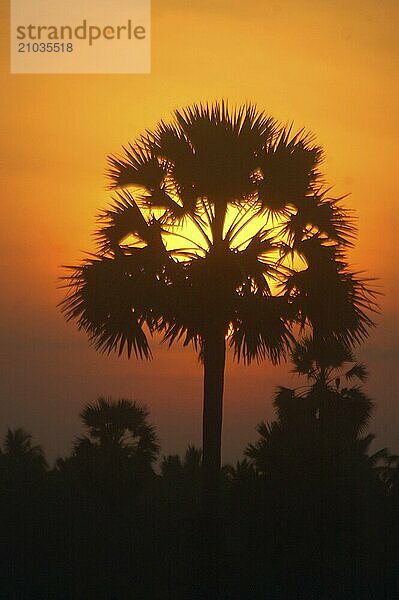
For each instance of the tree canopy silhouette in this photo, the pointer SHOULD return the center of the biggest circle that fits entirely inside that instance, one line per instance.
(221, 231)
(319, 427)
(119, 450)
(121, 424)
(314, 513)
(20, 458)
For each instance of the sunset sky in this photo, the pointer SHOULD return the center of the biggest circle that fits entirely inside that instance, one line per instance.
(330, 67)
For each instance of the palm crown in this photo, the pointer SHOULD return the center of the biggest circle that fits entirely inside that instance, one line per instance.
(227, 226)
(120, 425)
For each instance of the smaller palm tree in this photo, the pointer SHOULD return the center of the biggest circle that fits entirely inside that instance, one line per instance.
(330, 367)
(21, 459)
(120, 425)
(18, 446)
(119, 450)
(320, 423)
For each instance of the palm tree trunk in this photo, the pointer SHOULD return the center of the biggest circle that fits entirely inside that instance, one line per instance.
(214, 363)
(214, 355)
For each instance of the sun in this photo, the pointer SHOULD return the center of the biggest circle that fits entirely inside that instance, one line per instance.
(190, 236)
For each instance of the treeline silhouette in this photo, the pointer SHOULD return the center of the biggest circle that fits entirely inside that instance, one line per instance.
(308, 513)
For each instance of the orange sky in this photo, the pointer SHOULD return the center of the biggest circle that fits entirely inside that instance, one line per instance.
(331, 67)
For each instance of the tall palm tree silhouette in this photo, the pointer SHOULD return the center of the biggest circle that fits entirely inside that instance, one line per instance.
(226, 235)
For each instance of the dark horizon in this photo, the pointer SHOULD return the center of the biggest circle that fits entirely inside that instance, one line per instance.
(54, 189)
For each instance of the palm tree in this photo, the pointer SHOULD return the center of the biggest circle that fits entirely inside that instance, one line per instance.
(320, 420)
(20, 457)
(314, 462)
(221, 231)
(327, 364)
(119, 428)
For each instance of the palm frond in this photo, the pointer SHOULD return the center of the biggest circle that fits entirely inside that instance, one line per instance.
(102, 300)
(289, 169)
(325, 217)
(335, 301)
(123, 217)
(261, 328)
(138, 165)
(359, 370)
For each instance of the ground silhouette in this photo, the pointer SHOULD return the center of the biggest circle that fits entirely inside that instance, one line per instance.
(309, 513)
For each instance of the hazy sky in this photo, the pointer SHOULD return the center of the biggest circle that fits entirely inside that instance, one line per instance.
(328, 66)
